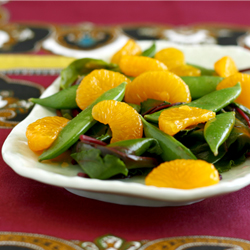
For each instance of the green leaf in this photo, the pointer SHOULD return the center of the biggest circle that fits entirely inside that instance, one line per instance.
(99, 167)
(81, 67)
(130, 160)
(150, 52)
(135, 106)
(204, 71)
(150, 103)
(137, 146)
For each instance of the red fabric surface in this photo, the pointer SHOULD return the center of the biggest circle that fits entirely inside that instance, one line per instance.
(33, 207)
(116, 12)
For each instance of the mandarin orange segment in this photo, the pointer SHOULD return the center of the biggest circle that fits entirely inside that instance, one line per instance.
(42, 133)
(173, 120)
(183, 174)
(95, 84)
(159, 85)
(171, 57)
(244, 80)
(124, 121)
(136, 65)
(225, 67)
(186, 70)
(130, 48)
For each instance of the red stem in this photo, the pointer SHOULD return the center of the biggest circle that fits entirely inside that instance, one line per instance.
(88, 139)
(247, 119)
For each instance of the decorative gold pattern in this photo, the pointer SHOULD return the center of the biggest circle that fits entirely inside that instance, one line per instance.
(35, 241)
(22, 38)
(85, 36)
(197, 242)
(13, 107)
(111, 242)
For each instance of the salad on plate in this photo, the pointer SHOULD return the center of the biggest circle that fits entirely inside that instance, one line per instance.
(147, 113)
(89, 161)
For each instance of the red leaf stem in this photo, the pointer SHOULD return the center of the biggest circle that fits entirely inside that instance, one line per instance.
(246, 118)
(88, 139)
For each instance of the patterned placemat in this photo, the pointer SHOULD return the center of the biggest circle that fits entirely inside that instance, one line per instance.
(26, 241)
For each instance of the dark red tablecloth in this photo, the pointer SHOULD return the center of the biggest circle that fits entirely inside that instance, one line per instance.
(33, 207)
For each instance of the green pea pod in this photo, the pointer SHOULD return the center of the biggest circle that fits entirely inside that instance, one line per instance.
(150, 52)
(238, 144)
(213, 101)
(217, 130)
(196, 142)
(64, 99)
(137, 146)
(171, 148)
(204, 71)
(201, 85)
(80, 67)
(80, 124)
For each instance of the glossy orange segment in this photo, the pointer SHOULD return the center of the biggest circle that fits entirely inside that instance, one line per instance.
(95, 84)
(173, 120)
(171, 57)
(244, 80)
(186, 70)
(43, 132)
(159, 85)
(183, 174)
(225, 67)
(130, 48)
(136, 65)
(123, 120)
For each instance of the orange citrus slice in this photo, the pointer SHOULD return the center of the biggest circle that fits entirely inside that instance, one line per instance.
(159, 85)
(95, 84)
(124, 121)
(42, 133)
(244, 80)
(186, 70)
(171, 57)
(136, 65)
(130, 48)
(183, 174)
(173, 120)
(225, 67)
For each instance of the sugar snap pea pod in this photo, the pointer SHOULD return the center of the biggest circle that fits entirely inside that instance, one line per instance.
(64, 99)
(201, 85)
(137, 146)
(171, 148)
(213, 101)
(196, 142)
(150, 52)
(238, 144)
(80, 124)
(80, 67)
(217, 100)
(204, 71)
(217, 130)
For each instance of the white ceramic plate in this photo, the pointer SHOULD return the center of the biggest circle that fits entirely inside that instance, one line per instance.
(133, 191)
